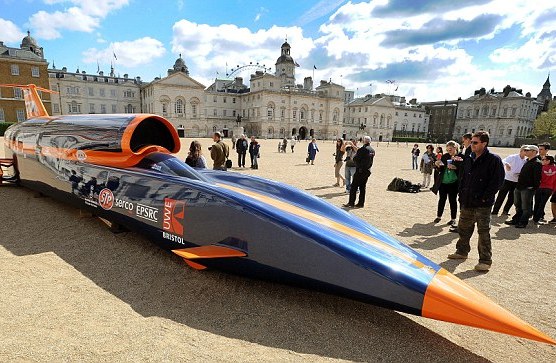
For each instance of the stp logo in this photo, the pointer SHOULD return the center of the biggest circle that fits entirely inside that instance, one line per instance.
(174, 211)
(106, 199)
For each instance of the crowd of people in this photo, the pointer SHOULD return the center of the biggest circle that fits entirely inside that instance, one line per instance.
(481, 181)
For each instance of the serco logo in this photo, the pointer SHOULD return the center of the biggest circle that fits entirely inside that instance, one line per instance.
(106, 199)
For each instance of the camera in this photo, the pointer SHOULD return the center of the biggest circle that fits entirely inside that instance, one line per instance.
(348, 148)
(210, 148)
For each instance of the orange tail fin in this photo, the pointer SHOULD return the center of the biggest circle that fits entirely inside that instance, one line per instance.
(33, 103)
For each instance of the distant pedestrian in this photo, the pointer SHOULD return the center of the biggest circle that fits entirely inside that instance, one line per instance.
(482, 176)
(284, 145)
(466, 143)
(528, 182)
(241, 149)
(338, 162)
(546, 188)
(512, 166)
(254, 153)
(349, 171)
(234, 139)
(415, 156)
(364, 161)
(292, 143)
(312, 150)
(219, 152)
(426, 167)
(195, 157)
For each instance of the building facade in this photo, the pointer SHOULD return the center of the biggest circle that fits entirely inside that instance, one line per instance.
(384, 118)
(83, 93)
(272, 106)
(506, 115)
(442, 119)
(23, 65)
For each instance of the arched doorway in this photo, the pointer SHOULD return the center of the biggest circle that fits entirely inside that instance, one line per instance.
(294, 131)
(312, 133)
(380, 137)
(302, 133)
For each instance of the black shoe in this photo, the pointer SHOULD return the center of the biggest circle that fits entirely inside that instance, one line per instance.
(349, 205)
(510, 222)
(359, 205)
(520, 225)
(494, 213)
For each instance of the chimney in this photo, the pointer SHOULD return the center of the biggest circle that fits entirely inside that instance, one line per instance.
(308, 83)
(507, 90)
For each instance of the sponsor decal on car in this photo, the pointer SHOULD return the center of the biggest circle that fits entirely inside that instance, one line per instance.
(147, 212)
(173, 216)
(106, 199)
(172, 237)
(81, 156)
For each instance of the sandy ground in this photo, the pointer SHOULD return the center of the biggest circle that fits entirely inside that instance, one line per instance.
(70, 290)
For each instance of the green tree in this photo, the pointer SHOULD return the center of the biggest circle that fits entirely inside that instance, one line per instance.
(545, 124)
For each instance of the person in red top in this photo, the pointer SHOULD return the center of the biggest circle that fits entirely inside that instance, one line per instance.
(547, 187)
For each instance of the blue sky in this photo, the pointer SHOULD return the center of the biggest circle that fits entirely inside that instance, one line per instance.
(433, 49)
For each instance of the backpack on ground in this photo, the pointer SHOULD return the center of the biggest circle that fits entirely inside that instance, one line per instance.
(404, 186)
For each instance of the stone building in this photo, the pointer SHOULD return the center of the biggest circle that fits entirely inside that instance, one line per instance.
(384, 117)
(23, 65)
(271, 106)
(545, 96)
(442, 118)
(82, 92)
(506, 115)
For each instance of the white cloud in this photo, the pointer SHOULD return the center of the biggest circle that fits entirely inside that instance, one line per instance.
(206, 49)
(319, 10)
(85, 16)
(10, 31)
(129, 53)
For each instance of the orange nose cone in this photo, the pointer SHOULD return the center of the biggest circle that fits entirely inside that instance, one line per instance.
(450, 299)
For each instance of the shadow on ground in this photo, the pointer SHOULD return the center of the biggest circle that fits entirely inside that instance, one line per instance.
(157, 283)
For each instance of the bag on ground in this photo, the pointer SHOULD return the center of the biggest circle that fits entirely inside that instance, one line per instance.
(403, 186)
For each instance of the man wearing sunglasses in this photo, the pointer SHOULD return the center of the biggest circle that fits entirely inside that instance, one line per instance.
(481, 176)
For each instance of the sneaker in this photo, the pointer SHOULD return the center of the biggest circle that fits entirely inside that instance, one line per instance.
(336, 185)
(543, 221)
(451, 222)
(510, 222)
(437, 219)
(482, 267)
(454, 228)
(552, 221)
(457, 256)
(506, 213)
(540, 222)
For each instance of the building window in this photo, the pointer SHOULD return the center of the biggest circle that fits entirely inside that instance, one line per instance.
(224, 99)
(113, 93)
(74, 107)
(102, 108)
(179, 107)
(194, 110)
(35, 72)
(2, 117)
(129, 93)
(18, 93)
(233, 100)
(91, 108)
(164, 109)
(215, 112)
(294, 114)
(101, 92)
(15, 70)
(20, 114)
(91, 91)
(129, 109)
(224, 112)
(114, 109)
(509, 132)
(214, 99)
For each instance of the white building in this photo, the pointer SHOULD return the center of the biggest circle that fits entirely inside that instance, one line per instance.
(383, 117)
(506, 115)
(81, 93)
(272, 106)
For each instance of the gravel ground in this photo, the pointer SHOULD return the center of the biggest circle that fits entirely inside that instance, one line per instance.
(73, 291)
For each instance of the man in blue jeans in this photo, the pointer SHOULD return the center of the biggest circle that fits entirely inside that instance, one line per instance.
(482, 174)
(527, 183)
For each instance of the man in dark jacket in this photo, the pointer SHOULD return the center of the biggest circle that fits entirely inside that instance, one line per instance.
(241, 148)
(481, 177)
(527, 183)
(363, 163)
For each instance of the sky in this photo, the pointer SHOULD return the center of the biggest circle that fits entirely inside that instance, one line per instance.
(432, 50)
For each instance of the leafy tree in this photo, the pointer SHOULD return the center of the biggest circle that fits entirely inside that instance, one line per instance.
(545, 124)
